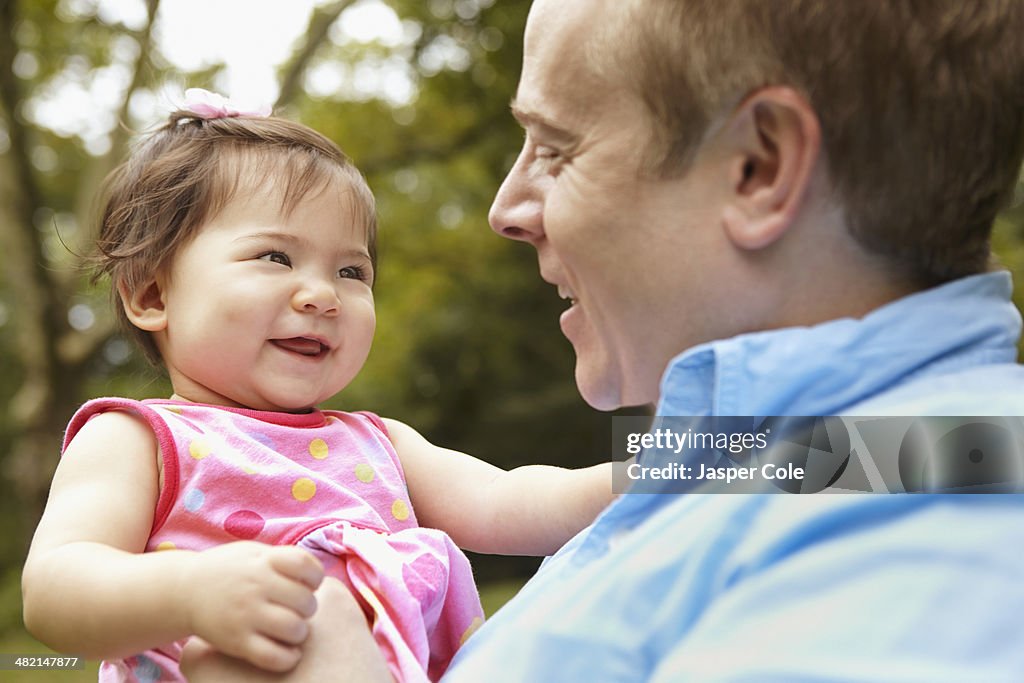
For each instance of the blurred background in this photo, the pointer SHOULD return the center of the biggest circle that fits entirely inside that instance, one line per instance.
(468, 348)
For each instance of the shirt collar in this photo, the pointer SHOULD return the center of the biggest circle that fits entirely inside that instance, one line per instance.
(823, 369)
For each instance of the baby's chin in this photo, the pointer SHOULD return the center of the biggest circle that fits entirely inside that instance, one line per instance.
(297, 411)
(270, 394)
(295, 407)
(277, 404)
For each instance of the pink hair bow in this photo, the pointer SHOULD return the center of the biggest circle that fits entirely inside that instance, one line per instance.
(210, 105)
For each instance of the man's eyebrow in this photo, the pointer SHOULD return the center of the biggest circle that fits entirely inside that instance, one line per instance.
(548, 129)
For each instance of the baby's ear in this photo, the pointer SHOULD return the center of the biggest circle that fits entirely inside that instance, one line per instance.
(144, 304)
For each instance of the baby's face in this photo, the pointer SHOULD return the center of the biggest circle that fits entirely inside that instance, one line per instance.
(270, 311)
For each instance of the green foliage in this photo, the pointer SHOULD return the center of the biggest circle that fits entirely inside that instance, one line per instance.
(1008, 247)
(10, 601)
(494, 595)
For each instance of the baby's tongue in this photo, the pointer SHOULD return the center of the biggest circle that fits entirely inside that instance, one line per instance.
(307, 347)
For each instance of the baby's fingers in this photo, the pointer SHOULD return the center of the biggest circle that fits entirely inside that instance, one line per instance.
(269, 654)
(292, 595)
(299, 565)
(284, 625)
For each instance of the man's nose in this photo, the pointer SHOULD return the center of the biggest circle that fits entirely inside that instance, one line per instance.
(517, 210)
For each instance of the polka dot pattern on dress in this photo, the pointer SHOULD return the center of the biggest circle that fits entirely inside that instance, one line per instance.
(232, 475)
(146, 670)
(244, 524)
(303, 489)
(364, 473)
(193, 500)
(318, 449)
(264, 439)
(199, 449)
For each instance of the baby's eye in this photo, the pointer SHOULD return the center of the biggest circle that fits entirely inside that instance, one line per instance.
(276, 257)
(352, 273)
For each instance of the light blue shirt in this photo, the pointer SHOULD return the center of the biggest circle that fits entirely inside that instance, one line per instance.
(869, 587)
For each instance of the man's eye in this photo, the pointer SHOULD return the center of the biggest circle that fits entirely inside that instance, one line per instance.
(276, 257)
(548, 159)
(546, 153)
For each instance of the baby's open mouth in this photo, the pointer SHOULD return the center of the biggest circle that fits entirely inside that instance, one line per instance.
(304, 346)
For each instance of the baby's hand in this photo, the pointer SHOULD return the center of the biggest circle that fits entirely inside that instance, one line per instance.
(253, 601)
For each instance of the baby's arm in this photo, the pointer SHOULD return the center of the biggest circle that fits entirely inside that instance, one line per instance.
(88, 589)
(531, 510)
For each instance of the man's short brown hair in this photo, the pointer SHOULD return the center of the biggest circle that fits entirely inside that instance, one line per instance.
(921, 104)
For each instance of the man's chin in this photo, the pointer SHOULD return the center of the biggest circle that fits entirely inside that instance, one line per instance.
(606, 391)
(598, 391)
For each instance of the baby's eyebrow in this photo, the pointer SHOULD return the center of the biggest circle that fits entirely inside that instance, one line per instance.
(354, 253)
(269, 234)
(346, 252)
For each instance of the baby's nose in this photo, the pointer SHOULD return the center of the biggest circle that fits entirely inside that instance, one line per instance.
(316, 296)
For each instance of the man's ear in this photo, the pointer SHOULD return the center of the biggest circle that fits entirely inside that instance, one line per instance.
(773, 142)
(144, 305)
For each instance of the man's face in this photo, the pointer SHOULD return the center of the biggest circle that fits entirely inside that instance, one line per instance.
(631, 252)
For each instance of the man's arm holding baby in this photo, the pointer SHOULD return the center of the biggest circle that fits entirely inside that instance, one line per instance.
(530, 510)
(89, 589)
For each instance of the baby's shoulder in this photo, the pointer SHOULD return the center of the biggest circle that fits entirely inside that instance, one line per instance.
(125, 429)
(115, 418)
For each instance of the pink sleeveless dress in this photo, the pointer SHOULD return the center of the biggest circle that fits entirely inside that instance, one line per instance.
(327, 481)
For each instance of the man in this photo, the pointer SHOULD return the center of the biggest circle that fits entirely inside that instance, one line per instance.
(773, 208)
(776, 208)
